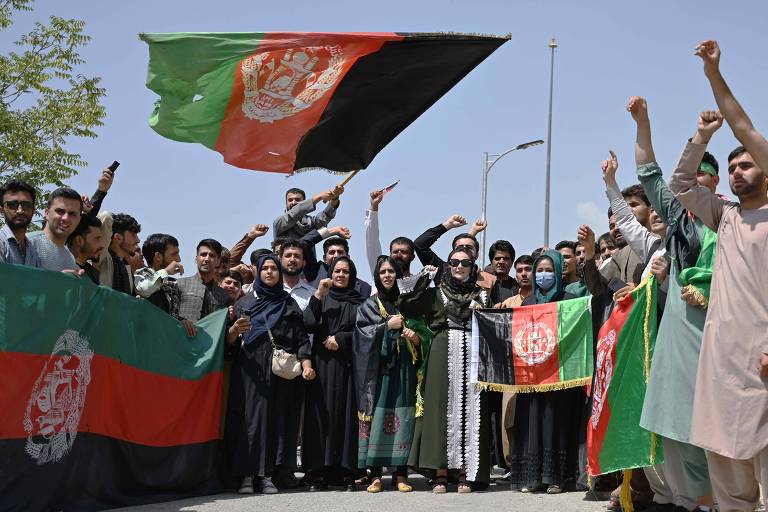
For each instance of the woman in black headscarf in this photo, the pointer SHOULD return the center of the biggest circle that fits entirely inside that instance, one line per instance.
(329, 442)
(388, 351)
(453, 433)
(264, 409)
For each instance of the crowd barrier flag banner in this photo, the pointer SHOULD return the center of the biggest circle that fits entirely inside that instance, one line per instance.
(615, 439)
(288, 101)
(105, 400)
(533, 348)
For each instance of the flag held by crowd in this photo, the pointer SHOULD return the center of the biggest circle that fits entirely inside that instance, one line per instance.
(284, 102)
(105, 401)
(533, 348)
(616, 441)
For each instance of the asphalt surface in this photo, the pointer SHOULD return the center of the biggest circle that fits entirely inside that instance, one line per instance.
(496, 498)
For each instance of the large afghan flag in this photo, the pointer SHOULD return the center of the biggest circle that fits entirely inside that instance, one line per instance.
(615, 439)
(533, 348)
(283, 102)
(105, 401)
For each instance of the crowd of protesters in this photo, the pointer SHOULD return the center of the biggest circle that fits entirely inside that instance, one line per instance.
(380, 384)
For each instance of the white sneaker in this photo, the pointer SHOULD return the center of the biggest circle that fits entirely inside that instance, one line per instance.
(246, 487)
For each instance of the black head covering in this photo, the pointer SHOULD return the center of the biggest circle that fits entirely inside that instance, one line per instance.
(387, 296)
(459, 294)
(348, 294)
(270, 301)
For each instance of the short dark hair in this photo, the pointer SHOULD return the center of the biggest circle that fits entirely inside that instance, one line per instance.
(610, 212)
(466, 235)
(234, 274)
(122, 222)
(277, 242)
(65, 193)
(258, 253)
(567, 244)
(711, 160)
(736, 153)
(86, 222)
(210, 243)
(296, 191)
(17, 186)
(157, 243)
(537, 252)
(335, 240)
(605, 236)
(402, 240)
(636, 190)
(501, 246)
(525, 259)
(298, 244)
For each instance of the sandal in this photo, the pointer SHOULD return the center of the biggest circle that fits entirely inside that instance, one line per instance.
(464, 487)
(404, 487)
(375, 486)
(440, 485)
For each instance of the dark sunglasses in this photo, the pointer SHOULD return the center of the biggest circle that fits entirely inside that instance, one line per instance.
(25, 205)
(454, 262)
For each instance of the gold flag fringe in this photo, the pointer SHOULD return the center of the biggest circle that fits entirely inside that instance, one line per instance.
(701, 299)
(625, 494)
(362, 417)
(533, 388)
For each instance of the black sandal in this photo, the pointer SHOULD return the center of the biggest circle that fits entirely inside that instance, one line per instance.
(440, 485)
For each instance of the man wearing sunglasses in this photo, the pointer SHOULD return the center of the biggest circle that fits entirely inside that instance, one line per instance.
(18, 206)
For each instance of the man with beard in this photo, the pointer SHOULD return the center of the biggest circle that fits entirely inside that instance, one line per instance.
(502, 254)
(200, 295)
(18, 204)
(86, 244)
(122, 231)
(154, 282)
(62, 216)
(573, 284)
(334, 247)
(296, 221)
(292, 259)
(401, 249)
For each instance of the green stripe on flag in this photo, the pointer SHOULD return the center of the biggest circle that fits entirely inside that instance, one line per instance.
(37, 306)
(574, 324)
(194, 73)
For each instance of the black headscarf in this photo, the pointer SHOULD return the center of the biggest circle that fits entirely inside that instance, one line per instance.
(459, 294)
(270, 301)
(387, 297)
(348, 294)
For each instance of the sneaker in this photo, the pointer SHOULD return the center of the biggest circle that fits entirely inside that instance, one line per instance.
(267, 487)
(246, 487)
(506, 478)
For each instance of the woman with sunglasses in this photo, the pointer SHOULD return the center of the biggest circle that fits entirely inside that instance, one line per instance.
(546, 431)
(388, 352)
(453, 432)
(329, 442)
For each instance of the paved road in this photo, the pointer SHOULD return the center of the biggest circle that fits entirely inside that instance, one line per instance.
(497, 498)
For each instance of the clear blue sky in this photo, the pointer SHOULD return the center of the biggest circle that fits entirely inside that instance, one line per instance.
(608, 52)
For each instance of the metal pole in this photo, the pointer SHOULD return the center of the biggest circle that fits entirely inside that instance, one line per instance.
(484, 207)
(552, 46)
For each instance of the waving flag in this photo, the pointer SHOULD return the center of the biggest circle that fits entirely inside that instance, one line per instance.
(284, 102)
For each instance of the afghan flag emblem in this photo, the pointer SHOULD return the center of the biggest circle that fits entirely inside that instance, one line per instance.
(616, 441)
(286, 102)
(533, 348)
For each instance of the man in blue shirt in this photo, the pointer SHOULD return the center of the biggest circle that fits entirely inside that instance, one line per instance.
(18, 205)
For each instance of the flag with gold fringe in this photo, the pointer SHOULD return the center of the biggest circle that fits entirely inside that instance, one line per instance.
(615, 439)
(543, 347)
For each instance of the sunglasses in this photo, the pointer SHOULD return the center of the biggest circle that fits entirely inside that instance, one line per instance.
(454, 262)
(25, 205)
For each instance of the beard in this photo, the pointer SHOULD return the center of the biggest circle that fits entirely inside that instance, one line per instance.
(293, 273)
(19, 222)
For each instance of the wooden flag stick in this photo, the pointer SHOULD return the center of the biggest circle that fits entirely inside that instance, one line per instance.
(348, 177)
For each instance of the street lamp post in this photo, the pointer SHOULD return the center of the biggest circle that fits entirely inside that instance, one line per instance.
(488, 162)
(552, 46)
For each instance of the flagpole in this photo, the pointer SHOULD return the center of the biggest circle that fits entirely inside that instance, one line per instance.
(552, 46)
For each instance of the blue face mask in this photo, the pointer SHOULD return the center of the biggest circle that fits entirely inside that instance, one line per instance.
(545, 280)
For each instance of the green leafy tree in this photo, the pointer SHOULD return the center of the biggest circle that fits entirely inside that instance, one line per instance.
(44, 102)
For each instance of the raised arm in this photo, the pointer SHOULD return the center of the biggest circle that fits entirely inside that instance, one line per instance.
(372, 242)
(644, 154)
(238, 250)
(697, 199)
(737, 118)
(323, 218)
(427, 239)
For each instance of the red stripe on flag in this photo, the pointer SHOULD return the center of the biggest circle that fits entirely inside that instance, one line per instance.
(605, 366)
(121, 401)
(288, 87)
(534, 345)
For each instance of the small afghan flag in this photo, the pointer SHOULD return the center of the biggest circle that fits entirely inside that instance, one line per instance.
(624, 350)
(533, 348)
(105, 400)
(285, 102)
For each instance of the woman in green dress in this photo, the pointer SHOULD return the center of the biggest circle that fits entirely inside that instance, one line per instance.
(453, 432)
(387, 353)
